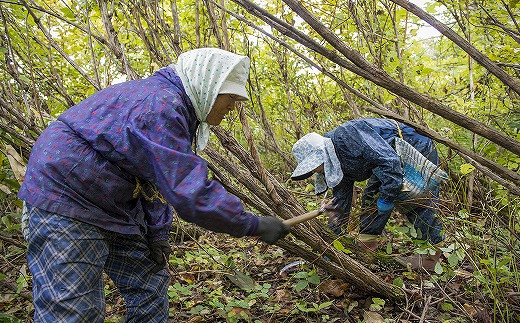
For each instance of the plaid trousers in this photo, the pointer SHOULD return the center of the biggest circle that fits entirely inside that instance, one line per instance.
(67, 258)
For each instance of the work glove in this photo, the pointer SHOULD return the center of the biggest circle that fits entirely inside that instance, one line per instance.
(337, 218)
(384, 208)
(160, 253)
(270, 229)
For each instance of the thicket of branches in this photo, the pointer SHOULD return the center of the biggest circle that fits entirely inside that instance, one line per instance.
(314, 66)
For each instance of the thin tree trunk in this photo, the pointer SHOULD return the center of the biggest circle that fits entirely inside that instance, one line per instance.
(225, 37)
(213, 20)
(113, 42)
(177, 40)
(282, 62)
(197, 23)
(471, 177)
(268, 130)
(91, 46)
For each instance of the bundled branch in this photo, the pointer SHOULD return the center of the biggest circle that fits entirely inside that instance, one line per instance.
(310, 233)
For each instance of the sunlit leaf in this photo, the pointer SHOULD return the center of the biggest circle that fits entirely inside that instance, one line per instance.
(466, 168)
(438, 268)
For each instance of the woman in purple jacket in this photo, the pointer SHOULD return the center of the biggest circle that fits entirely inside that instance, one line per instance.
(87, 192)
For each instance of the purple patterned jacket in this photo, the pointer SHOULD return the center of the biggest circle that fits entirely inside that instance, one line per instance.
(85, 165)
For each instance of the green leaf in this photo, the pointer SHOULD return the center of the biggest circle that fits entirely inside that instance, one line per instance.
(325, 305)
(314, 279)
(389, 248)
(431, 8)
(466, 168)
(403, 229)
(377, 304)
(413, 233)
(447, 307)
(301, 274)
(398, 282)
(339, 246)
(241, 280)
(301, 285)
(68, 13)
(25, 78)
(196, 310)
(427, 70)
(378, 301)
(302, 307)
(453, 259)
(438, 268)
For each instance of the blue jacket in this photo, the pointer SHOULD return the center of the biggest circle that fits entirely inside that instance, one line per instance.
(364, 149)
(85, 165)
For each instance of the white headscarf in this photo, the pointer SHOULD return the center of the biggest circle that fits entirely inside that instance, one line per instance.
(203, 72)
(312, 150)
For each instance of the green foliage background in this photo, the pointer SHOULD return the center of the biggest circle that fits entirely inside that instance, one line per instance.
(39, 83)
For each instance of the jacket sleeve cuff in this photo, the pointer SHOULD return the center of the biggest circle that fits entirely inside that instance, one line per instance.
(387, 198)
(158, 235)
(254, 225)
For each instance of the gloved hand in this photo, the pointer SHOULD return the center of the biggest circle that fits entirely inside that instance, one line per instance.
(270, 229)
(337, 218)
(159, 252)
(384, 207)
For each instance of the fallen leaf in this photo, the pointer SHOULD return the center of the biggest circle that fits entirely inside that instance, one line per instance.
(335, 287)
(16, 162)
(195, 319)
(284, 311)
(463, 273)
(188, 277)
(5, 189)
(352, 305)
(282, 295)
(477, 313)
(373, 317)
(411, 275)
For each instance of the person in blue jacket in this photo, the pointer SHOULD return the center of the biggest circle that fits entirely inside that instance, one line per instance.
(101, 182)
(363, 149)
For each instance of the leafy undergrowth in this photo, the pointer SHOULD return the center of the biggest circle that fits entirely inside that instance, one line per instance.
(218, 278)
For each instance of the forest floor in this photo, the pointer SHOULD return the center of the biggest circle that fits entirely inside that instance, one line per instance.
(216, 278)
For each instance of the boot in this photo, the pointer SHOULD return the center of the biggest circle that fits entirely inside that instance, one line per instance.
(426, 262)
(368, 242)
